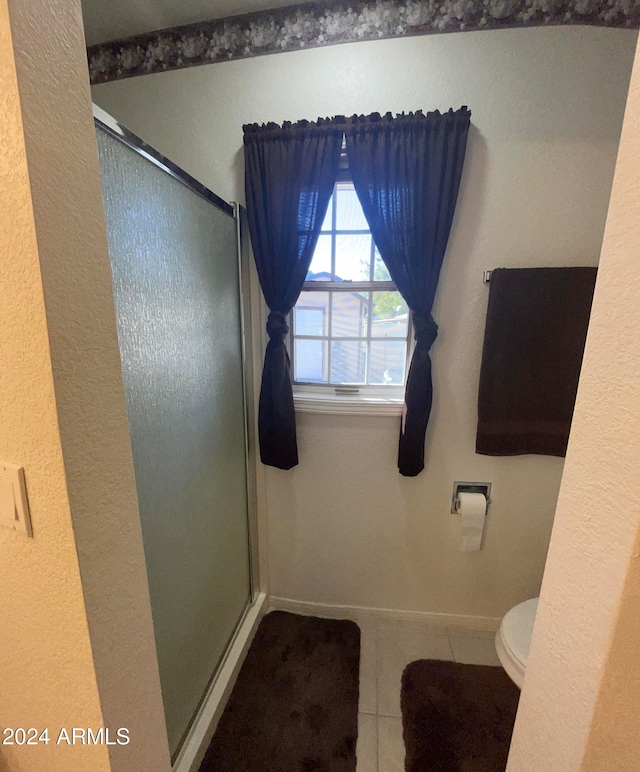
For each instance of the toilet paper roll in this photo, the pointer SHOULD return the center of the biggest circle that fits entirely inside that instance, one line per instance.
(472, 508)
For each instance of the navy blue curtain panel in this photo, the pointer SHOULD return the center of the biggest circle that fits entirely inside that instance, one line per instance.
(290, 171)
(406, 171)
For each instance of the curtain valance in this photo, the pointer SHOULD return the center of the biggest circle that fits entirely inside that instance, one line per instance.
(259, 132)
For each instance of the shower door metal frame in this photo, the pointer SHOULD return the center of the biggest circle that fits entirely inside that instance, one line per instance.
(248, 385)
(133, 142)
(112, 127)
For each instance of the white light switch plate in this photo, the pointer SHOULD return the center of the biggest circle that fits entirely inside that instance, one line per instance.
(14, 509)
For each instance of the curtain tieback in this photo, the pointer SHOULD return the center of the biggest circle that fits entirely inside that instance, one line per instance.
(425, 330)
(277, 326)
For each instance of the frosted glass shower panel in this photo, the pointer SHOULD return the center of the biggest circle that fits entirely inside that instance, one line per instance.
(174, 262)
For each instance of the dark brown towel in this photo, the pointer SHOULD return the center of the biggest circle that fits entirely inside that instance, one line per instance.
(533, 344)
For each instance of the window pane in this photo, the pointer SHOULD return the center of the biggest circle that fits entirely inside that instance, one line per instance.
(326, 225)
(348, 361)
(320, 268)
(365, 333)
(310, 360)
(349, 314)
(349, 214)
(311, 314)
(390, 315)
(353, 258)
(380, 270)
(387, 361)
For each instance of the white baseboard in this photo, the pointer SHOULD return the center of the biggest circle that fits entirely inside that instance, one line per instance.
(206, 721)
(372, 614)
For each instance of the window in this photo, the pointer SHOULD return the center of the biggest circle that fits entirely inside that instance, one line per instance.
(350, 326)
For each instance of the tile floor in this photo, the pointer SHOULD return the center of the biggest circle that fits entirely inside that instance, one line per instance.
(386, 648)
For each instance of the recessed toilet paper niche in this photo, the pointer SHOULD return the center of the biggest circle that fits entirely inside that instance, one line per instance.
(469, 487)
(471, 502)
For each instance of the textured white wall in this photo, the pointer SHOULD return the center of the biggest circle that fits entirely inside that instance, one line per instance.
(614, 730)
(47, 678)
(579, 706)
(75, 605)
(547, 104)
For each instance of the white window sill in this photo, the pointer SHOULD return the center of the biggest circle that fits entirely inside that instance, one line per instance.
(341, 404)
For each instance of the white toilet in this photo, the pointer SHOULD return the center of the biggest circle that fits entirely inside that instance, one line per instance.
(513, 639)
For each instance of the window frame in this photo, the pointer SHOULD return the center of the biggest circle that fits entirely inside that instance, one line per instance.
(350, 398)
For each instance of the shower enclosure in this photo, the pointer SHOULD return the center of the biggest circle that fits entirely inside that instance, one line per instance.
(174, 256)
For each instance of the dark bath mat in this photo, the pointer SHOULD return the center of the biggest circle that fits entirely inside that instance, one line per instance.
(457, 718)
(294, 707)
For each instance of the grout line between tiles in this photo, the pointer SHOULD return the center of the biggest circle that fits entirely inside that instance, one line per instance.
(375, 669)
(375, 676)
(457, 640)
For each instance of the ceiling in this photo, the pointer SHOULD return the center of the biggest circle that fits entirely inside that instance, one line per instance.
(115, 19)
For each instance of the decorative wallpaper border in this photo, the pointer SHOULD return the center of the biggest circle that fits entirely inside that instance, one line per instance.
(323, 24)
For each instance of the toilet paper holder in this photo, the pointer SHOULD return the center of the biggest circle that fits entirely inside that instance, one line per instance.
(469, 487)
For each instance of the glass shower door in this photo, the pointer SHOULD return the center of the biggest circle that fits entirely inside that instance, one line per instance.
(174, 261)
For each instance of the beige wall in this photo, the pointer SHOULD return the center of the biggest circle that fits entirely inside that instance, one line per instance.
(76, 636)
(580, 704)
(614, 731)
(344, 527)
(47, 678)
